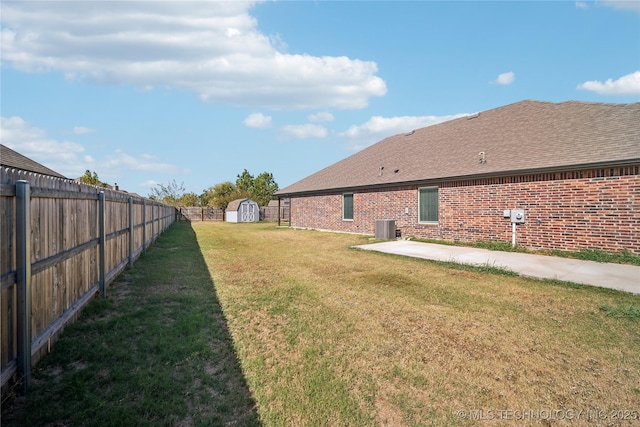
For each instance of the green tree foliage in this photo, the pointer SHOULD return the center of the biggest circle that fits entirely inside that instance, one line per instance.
(92, 179)
(189, 199)
(221, 194)
(262, 188)
(169, 194)
(206, 198)
(244, 183)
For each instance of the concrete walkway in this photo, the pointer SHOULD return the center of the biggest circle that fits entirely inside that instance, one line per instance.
(615, 276)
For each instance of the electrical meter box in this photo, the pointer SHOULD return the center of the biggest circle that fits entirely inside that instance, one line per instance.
(517, 216)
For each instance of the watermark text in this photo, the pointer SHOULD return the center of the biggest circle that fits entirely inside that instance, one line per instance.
(549, 414)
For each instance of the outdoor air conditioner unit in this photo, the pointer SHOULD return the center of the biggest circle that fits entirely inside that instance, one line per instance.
(385, 229)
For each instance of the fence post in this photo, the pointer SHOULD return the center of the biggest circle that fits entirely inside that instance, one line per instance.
(23, 280)
(130, 231)
(153, 221)
(102, 242)
(144, 225)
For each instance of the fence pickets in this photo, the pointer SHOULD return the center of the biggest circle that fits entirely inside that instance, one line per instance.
(54, 257)
(195, 213)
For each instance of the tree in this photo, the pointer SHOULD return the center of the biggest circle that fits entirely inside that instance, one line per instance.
(92, 179)
(169, 194)
(221, 194)
(207, 196)
(260, 189)
(263, 188)
(244, 183)
(189, 199)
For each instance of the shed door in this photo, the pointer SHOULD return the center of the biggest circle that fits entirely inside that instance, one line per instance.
(248, 212)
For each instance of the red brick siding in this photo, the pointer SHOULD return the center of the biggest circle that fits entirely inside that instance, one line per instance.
(563, 211)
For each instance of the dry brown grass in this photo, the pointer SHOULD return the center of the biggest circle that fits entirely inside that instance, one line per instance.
(329, 335)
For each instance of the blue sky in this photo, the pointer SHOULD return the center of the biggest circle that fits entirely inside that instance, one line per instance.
(150, 92)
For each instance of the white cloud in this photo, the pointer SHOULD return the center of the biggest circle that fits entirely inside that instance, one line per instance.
(633, 5)
(506, 78)
(625, 85)
(321, 117)
(122, 161)
(622, 4)
(387, 126)
(81, 130)
(378, 128)
(150, 183)
(69, 158)
(304, 131)
(213, 49)
(64, 157)
(257, 121)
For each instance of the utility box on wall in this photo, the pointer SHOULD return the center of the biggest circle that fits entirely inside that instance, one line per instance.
(385, 229)
(517, 216)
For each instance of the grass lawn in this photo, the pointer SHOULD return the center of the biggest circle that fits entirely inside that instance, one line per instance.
(249, 324)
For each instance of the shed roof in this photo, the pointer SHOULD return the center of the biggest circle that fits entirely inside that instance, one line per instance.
(13, 159)
(528, 136)
(234, 205)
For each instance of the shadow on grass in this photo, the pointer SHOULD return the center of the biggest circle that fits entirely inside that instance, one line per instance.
(157, 351)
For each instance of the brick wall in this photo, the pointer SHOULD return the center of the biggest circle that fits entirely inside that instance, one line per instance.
(595, 209)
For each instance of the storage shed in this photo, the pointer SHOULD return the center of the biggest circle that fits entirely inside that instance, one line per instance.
(242, 210)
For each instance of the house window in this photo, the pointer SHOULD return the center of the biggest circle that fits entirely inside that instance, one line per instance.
(428, 204)
(347, 206)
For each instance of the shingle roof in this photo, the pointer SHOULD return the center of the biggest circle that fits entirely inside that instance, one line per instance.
(528, 136)
(234, 205)
(13, 159)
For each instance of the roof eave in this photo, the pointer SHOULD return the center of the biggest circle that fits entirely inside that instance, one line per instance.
(497, 174)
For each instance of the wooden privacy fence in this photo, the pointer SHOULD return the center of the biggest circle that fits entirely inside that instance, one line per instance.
(194, 213)
(62, 243)
(274, 213)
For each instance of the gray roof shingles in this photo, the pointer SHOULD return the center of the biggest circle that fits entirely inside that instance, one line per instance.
(234, 205)
(528, 136)
(12, 159)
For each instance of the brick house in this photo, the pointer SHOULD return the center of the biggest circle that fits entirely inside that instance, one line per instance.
(573, 167)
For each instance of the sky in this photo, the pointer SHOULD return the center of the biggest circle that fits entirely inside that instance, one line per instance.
(145, 93)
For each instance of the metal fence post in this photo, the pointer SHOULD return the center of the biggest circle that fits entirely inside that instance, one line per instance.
(131, 232)
(23, 280)
(102, 242)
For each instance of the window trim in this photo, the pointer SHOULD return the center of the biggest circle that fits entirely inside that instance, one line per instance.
(343, 206)
(432, 187)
